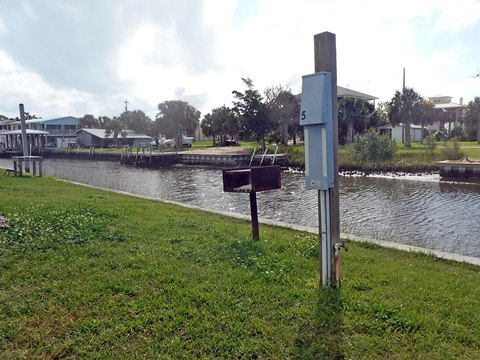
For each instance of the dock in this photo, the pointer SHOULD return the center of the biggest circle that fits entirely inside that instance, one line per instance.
(220, 156)
(149, 157)
(217, 156)
(460, 170)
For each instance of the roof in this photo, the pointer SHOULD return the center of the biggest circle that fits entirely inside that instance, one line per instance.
(9, 122)
(29, 132)
(100, 133)
(343, 92)
(448, 106)
(439, 96)
(66, 120)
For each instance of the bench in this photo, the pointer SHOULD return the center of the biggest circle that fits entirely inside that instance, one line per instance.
(9, 172)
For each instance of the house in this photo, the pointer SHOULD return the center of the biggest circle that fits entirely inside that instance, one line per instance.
(101, 138)
(446, 113)
(61, 131)
(343, 92)
(11, 140)
(396, 133)
(56, 132)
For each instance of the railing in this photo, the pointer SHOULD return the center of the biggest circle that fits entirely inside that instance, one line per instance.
(61, 132)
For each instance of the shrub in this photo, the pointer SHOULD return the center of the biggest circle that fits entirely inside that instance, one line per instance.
(374, 147)
(459, 133)
(430, 144)
(452, 151)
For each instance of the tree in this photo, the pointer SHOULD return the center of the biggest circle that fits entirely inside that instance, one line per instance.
(405, 108)
(176, 117)
(115, 128)
(472, 119)
(136, 121)
(221, 123)
(252, 112)
(354, 116)
(283, 108)
(104, 122)
(89, 121)
(426, 116)
(207, 127)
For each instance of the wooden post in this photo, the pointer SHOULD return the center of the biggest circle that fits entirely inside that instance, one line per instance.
(326, 60)
(24, 137)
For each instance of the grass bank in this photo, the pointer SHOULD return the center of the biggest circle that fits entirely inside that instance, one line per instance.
(93, 274)
(413, 159)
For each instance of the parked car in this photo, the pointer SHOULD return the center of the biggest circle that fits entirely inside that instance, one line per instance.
(231, 143)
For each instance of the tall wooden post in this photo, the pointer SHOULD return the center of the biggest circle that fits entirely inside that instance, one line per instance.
(24, 137)
(326, 60)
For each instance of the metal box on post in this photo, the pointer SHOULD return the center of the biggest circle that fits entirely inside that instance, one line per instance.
(250, 180)
(316, 116)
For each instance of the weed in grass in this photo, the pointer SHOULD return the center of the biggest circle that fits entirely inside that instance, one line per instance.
(385, 318)
(41, 228)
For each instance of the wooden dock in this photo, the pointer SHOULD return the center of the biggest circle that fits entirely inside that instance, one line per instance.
(220, 156)
(460, 170)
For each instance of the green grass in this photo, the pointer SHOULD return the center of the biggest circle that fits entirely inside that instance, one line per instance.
(92, 274)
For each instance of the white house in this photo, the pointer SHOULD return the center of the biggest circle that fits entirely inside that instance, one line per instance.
(447, 113)
(416, 132)
(57, 132)
(100, 138)
(61, 131)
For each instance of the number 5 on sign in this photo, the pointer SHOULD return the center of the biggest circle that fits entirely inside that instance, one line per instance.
(317, 119)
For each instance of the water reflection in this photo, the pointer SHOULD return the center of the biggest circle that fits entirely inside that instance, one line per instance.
(412, 210)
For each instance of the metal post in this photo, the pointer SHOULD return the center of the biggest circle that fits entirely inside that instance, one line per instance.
(325, 237)
(326, 60)
(254, 215)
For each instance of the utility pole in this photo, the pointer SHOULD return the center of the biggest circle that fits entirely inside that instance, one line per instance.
(24, 137)
(126, 105)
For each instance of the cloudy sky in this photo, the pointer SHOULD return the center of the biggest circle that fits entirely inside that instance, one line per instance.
(72, 57)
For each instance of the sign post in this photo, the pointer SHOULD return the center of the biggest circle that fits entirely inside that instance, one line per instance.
(318, 115)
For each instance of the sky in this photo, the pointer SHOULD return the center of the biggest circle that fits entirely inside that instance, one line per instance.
(71, 58)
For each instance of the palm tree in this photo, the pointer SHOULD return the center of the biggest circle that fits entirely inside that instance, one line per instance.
(427, 116)
(405, 108)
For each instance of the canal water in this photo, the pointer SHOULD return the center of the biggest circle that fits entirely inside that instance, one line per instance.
(411, 210)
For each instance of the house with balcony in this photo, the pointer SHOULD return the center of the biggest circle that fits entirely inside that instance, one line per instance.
(447, 114)
(61, 131)
(41, 133)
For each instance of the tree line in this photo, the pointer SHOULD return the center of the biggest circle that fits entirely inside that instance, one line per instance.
(274, 116)
(174, 116)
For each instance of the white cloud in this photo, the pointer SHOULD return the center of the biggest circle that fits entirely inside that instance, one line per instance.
(92, 56)
(3, 28)
(457, 15)
(18, 85)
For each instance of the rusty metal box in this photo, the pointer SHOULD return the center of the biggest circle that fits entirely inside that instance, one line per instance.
(251, 179)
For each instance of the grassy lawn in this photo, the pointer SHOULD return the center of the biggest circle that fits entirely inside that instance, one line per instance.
(93, 274)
